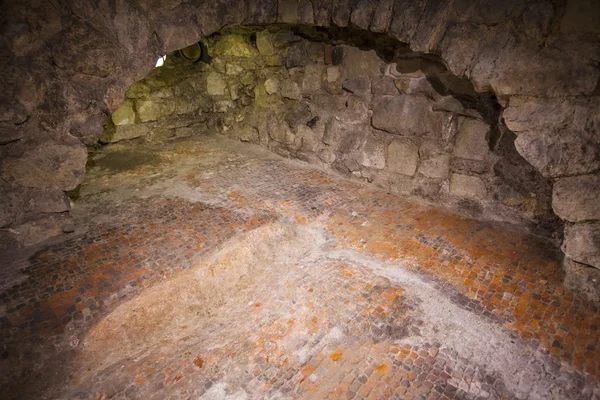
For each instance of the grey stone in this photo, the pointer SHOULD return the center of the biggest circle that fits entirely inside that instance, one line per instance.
(298, 115)
(149, 110)
(575, 198)
(383, 85)
(582, 243)
(272, 85)
(313, 76)
(525, 69)
(402, 157)
(382, 16)
(359, 62)
(416, 86)
(405, 115)
(356, 111)
(362, 13)
(57, 163)
(358, 85)
(448, 104)
(472, 140)
(557, 136)
(42, 228)
(287, 11)
(296, 56)
(291, 90)
(264, 43)
(215, 84)
(372, 153)
(465, 186)
(582, 279)
(433, 161)
(326, 155)
(405, 20)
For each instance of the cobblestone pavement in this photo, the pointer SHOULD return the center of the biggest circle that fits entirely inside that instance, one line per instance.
(204, 268)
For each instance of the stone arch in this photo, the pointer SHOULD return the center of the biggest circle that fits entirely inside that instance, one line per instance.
(67, 67)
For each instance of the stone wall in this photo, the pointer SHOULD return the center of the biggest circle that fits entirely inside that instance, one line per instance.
(343, 107)
(67, 64)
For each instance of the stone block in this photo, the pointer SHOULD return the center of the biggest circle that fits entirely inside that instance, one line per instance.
(472, 140)
(577, 198)
(291, 90)
(264, 43)
(582, 243)
(57, 163)
(405, 115)
(125, 114)
(215, 84)
(358, 85)
(313, 76)
(465, 186)
(372, 154)
(383, 85)
(359, 62)
(402, 157)
(272, 85)
(433, 161)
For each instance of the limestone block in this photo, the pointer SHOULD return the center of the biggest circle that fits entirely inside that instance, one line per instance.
(466, 186)
(296, 56)
(405, 115)
(433, 161)
(264, 43)
(291, 90)
(313, 76)
(42, 228)
(471, 141)
(221, 106)
(557, 136)
(402, 157)
(233, 45)
(215, 84)
(362, 13)
(383, 85)
(382, 17)
(57, 163)
(577, 198)
(359, 85)
(149, 110)
(358, 62)
(326, 155)
(582, 279)
(233, 69)
(124, 114)
(372, 153)
(582, 243)
(406, 19)
(272, 85)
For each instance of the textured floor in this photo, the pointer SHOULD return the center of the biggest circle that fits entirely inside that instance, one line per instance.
(209, 269)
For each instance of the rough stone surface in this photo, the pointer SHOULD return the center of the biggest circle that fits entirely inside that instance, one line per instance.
(472, 140)
(404, 115)
(582, 243)
(557, 136)
(124, 115)
(361, 63)
(215, 85)
(402, 157)
(575, 198)
(434, 162)
(467, 186)
(50, 164)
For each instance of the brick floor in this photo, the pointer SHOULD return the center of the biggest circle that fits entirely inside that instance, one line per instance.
(332, 325)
